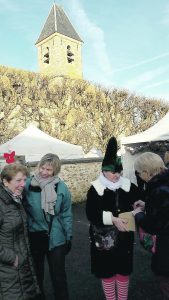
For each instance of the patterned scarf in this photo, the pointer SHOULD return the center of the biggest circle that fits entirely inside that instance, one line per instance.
(48, 194)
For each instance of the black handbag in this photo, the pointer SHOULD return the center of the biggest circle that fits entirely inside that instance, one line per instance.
(106, 237)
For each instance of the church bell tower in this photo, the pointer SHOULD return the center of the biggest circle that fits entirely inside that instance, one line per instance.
(59, 46)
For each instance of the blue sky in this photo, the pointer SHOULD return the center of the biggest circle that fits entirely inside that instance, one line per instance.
(126, 42)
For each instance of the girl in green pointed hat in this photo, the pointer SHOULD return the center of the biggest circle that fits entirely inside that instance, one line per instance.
(110, 195)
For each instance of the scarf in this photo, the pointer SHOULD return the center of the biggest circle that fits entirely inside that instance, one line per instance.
(109, 184)
(48, 193)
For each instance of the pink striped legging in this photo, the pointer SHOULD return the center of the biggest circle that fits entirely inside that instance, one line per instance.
(116, 286)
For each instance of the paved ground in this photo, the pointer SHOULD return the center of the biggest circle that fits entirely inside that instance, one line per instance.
(83, 285)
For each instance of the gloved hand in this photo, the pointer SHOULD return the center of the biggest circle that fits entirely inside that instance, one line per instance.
(68, 246)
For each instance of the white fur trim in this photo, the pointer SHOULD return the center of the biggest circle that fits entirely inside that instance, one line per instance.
(126, 184)
(107, 218)
(99, 187)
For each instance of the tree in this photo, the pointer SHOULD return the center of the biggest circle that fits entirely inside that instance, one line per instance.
(75, 111)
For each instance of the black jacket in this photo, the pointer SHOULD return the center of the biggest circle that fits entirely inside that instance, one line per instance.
(156, 220)
(16, 283)
(119, 260)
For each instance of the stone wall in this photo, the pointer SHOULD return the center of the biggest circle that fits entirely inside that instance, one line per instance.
(77, 174)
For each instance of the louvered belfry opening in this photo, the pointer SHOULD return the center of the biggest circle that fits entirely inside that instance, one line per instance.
(46, 56)
(70, 54)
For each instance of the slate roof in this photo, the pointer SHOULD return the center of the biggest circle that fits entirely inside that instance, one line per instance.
(57, 21)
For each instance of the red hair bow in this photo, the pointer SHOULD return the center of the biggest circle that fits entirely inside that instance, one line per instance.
(10, 157)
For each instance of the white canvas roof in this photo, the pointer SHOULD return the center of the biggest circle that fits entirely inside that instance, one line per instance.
(34, 143)
(158, 132)
(94, 153)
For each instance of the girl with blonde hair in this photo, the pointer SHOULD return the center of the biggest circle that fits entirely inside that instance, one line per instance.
(153, 214)
(49, 222)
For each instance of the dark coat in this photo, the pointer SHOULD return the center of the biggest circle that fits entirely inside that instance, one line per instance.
(167, 165)
(105, 264)
(16, 283)
(156, 220)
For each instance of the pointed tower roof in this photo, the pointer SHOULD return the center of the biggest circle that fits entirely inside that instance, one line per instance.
(57, 21)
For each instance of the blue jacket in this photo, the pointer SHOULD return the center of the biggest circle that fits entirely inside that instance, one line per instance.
(61, 229)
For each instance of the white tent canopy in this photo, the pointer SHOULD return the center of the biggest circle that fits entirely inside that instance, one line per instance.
(94, 153)
(158, 132)
(34, 143)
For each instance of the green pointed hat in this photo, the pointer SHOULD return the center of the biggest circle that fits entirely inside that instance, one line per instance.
(111, 161)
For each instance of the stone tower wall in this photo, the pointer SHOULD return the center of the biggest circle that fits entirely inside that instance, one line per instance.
(58, 64)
